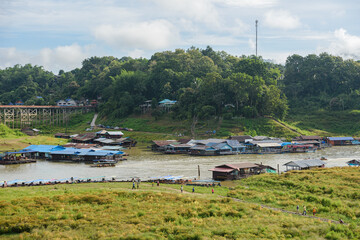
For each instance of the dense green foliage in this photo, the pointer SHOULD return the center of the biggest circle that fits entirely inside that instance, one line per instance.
(204, 82)
(322, 81)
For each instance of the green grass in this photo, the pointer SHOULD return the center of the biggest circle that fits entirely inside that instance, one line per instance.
(334, 192)
(114, 211)
(6, 132)
(327, 123)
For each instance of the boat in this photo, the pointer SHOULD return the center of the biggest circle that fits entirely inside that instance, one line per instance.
(104, 163)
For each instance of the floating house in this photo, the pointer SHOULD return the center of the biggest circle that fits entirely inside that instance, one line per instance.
(177, 148)
(84, 137)
(340, 141)
(236, 146)
(80, 155)
(41, 151)
(304, 164)
(298, 148)
(202, 150)
(238, 171)
(159, 146)
(267, 147)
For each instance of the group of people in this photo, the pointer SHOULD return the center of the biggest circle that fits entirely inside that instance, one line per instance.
(304, 210)
(137, 181)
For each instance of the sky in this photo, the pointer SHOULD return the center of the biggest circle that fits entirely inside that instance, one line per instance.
(60, 34)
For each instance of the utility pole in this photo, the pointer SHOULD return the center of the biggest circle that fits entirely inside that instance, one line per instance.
(256, 26)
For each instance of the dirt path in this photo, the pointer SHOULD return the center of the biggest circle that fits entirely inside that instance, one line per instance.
(287, 127)
(290, 212)
(265, 206)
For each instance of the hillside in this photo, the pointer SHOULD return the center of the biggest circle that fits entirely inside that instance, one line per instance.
(113, 210)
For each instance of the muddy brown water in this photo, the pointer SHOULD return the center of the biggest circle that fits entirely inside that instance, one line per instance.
(146, 164)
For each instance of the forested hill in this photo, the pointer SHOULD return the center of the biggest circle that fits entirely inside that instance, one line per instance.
(204, 82)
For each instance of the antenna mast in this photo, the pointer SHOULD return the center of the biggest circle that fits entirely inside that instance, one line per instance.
(256, 26)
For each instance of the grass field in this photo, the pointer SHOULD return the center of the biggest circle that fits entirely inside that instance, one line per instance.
(327, 123)
(114, 211)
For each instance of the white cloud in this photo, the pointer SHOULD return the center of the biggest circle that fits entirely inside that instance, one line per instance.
(137, 53)
(281, 19)
(250, 3)
(252, 44)
(202, 11)
(152, 35)
(62, 57)
(343, 44)
(11, 56)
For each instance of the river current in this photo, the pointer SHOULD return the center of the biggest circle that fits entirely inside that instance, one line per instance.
(146, 164)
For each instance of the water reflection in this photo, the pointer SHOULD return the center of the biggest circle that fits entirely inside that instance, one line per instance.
(146, 164)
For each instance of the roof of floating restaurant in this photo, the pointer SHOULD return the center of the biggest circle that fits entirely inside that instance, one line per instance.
(340, 138)
(43, 148)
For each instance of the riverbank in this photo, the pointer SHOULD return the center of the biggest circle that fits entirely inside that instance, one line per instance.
(144, 163)
(158, 212)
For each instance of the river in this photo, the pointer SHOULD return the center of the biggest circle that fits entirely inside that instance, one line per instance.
(146, 164)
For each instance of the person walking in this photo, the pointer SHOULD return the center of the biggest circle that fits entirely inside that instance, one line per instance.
(181, 189)
(193, 190)
(314, 211)
(212, 190)
(297, 208)
(138, 183)
(133, 187)
(304, 212)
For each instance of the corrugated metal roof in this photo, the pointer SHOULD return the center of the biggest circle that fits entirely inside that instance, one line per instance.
(305, 163)
(340, 138)
(263, 145)
(234, 144)
(43, 148)
(237, 165)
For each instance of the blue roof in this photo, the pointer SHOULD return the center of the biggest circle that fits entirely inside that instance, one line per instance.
(167, 101)
(340, 138)
(43, 148)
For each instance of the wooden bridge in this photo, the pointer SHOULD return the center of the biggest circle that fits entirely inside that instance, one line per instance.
(19, 116)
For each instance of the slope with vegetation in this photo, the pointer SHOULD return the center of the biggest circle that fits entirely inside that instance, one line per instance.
(114, 211)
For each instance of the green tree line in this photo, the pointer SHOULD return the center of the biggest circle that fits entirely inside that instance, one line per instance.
(205, 83)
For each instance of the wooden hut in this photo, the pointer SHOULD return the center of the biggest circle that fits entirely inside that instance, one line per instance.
(236, 171)
(340, 141)
(304, 164)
